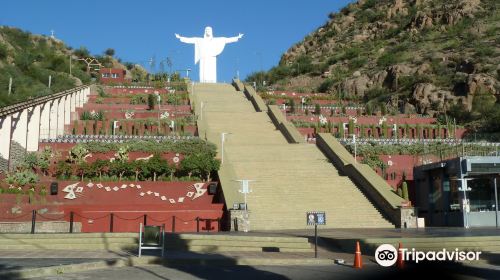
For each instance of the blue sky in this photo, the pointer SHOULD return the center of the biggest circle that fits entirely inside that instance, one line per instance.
(139, 30)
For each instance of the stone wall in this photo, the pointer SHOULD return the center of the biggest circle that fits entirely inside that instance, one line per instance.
(40, 227)
(369, 182)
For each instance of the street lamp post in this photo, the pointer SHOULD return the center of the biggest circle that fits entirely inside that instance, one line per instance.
(202, 106)
(114, 127)
(159, 104)
(465, 202)
(355, 147)
(223, 139)
(496, 202)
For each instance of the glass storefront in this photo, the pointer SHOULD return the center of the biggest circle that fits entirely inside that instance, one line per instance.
(482, 194)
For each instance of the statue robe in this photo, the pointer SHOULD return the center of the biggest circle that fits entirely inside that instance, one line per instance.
(206, 51)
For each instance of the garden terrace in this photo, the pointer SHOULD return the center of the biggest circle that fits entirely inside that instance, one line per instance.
(135, 112)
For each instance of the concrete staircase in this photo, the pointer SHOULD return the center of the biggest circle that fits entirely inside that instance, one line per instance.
(290, 179)
(67, 241)
(209, 243)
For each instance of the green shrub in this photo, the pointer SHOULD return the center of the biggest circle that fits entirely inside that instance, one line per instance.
(151, 101)
(405, 196)
(357, 62)
(317, 109)
(3, 51)
(325, 85)
(387, 59)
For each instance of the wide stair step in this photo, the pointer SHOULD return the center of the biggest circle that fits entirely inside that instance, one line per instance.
(235, 243)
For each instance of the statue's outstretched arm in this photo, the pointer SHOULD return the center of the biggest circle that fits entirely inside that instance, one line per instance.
(185, 39)
(233, 39)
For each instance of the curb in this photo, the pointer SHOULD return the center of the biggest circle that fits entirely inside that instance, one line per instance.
(135, 261)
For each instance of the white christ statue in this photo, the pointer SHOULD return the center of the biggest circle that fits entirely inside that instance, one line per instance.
(206, 50)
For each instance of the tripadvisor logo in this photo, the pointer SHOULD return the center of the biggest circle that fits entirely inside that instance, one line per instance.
(387, 255)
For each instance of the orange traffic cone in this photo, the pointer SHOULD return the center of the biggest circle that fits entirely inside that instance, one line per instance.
(358, 263)
(400, 262)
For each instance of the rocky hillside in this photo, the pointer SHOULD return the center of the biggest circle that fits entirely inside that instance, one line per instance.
(436, 57)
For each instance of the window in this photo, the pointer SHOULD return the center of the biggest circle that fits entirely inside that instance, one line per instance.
(114, 75)
(105, 75)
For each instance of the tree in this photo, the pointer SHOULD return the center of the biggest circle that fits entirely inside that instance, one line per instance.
(151, 101)
(122, 153)
(201, 164)
(350, 127)
(317, 109)
(82, 52)
(291, 103)
(368, 110)
(30, 162)
(77, 154)
(109, 52)
(83, 168)
(99, 166)
(189, 165)
(158, 166)
(341, 130)
(404, 186)
(63, 169)
(44, 159)
(120, 168)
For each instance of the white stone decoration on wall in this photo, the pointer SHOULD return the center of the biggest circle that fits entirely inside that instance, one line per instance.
(93, 114)
(164, 115)
(129, 115)
(199, 190)
(70, 189)
(176, 158)
(322, 120)
(144, 158)
(193, 191)
(382, 120)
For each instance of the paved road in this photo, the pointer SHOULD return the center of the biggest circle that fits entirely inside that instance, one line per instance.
(157, 272)
(23, 263)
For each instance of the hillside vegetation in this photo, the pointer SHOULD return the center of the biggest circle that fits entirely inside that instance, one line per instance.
(30, 60)
(434, 57)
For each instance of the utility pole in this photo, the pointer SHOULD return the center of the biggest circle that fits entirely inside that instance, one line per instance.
(10, 85)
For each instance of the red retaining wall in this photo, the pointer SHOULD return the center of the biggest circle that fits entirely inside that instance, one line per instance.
(93, 206)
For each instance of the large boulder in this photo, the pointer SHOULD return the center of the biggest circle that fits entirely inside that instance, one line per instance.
(397, 8)
(429, 99)
(357, 86)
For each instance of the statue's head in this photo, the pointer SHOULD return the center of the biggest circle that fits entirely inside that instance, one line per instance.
(208, 32)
